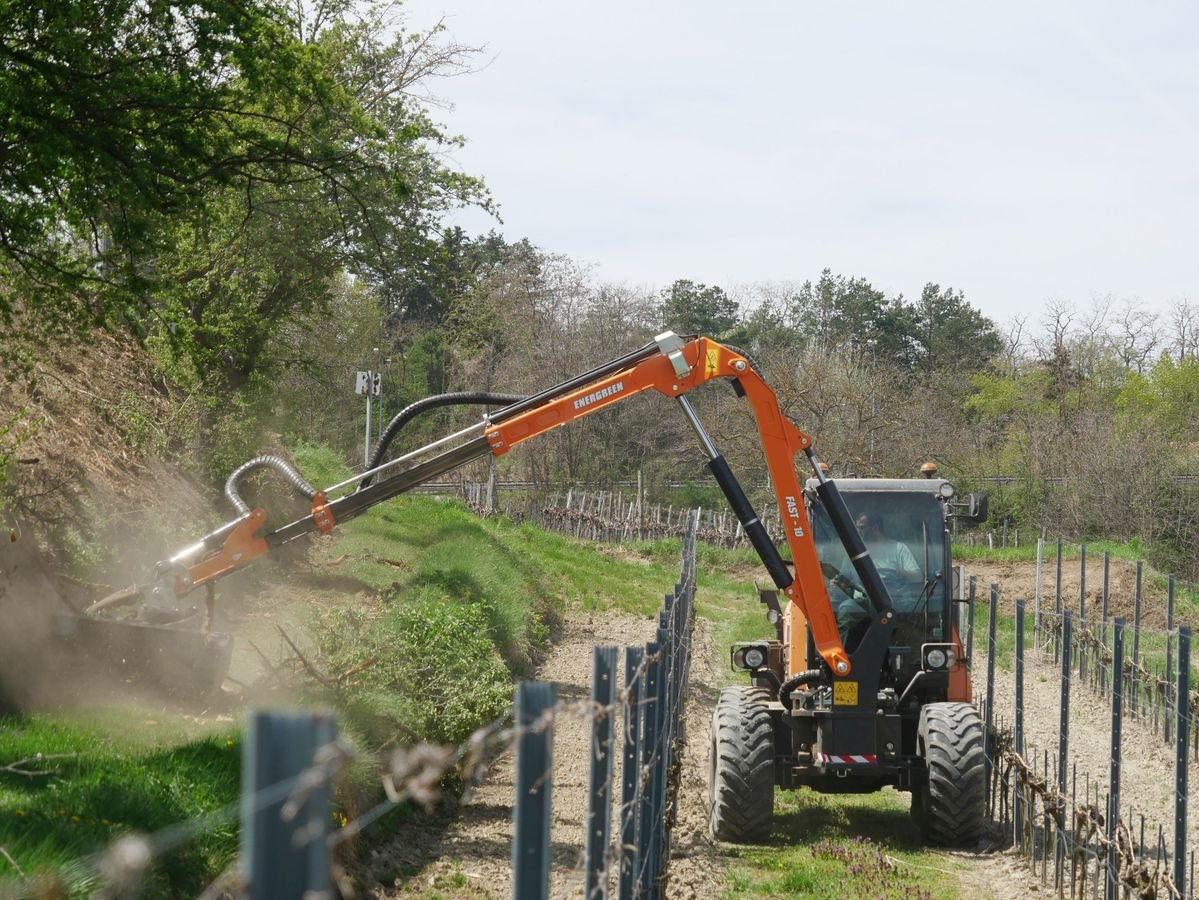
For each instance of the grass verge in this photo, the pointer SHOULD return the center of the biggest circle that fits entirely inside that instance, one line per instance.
(850, 846)
(99, 776)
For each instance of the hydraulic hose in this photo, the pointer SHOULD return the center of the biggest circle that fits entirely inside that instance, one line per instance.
(410, 412)
(807, 676)
(282, 466)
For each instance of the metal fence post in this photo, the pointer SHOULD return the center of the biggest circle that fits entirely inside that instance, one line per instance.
(1107, 568)
(1057, 597)
(634, 678)
(988, 740)
(1036, 616)
(1063, 746)
(1171, 693)
(599, 793)
(1136, 641)
(284, 859)
(650, 739)
(1082, 612)
(1018, 726)
(1181, 747)
(534, 783)
(1111, 883)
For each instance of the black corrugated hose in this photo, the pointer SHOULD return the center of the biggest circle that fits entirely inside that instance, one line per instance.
(799, 678)
(410, 412)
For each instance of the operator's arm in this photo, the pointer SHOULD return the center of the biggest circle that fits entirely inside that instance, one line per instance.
(905, 562)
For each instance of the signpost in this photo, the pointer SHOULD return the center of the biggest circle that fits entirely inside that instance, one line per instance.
(370, 384)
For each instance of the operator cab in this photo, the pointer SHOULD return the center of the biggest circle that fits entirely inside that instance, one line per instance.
(903, 523)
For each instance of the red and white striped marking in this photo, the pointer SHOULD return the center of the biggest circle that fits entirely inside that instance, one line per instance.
(831, 759)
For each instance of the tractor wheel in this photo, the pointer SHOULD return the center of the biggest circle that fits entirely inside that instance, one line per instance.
(741, 772)
(950, 806)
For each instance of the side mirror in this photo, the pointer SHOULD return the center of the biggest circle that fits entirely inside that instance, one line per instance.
(978, 507)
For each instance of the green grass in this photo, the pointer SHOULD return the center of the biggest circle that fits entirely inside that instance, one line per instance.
(1027, 552)
(115, 776)
(850, 846)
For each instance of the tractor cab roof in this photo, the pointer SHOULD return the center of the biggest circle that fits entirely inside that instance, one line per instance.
(932, 486)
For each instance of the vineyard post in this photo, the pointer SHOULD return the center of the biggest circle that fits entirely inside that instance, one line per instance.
(1082, 613)
(1063, 744)
(634, 661)
(1057, 597)
(1170, 692)
(1036, 609)
(1181, 741)
(1107, 569)
(1136, 641)
(534, 787)
(1111, 886)
(599, 795)
(284, 858)
(988, 737)
(1018, 727)
(650, 737)
(661, 762)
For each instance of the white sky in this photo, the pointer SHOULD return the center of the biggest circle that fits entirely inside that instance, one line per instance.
(1021, 152)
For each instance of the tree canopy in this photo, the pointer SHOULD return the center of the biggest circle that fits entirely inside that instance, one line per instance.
(202, 171)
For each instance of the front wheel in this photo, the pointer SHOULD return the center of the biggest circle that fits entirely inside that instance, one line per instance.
(949, 807)
(741, 770)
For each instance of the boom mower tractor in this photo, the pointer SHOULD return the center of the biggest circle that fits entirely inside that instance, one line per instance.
(903, 717)
(857, 690)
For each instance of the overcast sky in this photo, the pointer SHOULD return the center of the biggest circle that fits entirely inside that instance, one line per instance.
(1021, 152)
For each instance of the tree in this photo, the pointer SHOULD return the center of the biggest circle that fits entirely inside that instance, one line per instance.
(850, 313)
(205, 170)
(690, 308)
(950, 335)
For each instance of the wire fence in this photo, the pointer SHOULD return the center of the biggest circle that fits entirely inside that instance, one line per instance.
(601, 515)
(1080, 830)
(293, 764)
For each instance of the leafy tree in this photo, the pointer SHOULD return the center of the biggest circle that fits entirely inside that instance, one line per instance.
(206, 170)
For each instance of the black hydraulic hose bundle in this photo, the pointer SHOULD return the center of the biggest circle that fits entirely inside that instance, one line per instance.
(412, 410)
(807, 676)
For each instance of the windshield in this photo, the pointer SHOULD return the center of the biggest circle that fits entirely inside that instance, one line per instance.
(905, 534)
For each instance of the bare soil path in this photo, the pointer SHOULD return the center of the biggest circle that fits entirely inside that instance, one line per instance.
(469, 855)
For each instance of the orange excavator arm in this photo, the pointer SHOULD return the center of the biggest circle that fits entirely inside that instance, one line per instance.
(684, 366)
(671, 366)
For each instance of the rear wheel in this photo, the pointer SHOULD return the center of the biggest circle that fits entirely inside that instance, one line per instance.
(741, 771)
(949, 807)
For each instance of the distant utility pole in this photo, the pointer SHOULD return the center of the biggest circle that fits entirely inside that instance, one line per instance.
(370, 384)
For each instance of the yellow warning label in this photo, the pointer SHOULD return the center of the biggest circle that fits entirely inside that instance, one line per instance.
(712, 362)
(845, 693)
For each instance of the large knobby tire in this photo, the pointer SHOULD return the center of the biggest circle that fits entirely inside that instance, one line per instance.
(951, 806)
(741, 771)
